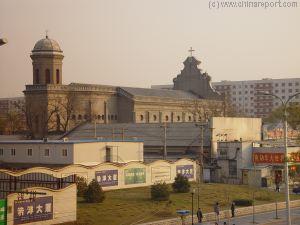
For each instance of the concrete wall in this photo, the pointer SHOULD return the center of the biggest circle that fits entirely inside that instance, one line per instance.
(233, 128)
(156, 171)
(64, 205)
(95, 153)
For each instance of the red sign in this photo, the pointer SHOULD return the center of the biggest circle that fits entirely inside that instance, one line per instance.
(294, 157)
(258, 157)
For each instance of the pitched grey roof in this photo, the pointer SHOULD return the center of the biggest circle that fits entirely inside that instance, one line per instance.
(178, 134)
(162, 93)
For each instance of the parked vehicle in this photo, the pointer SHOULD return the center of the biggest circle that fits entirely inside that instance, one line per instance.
(296, 190)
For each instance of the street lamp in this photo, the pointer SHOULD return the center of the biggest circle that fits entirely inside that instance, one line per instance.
(3, 41)
(193, 192)
(284, 104)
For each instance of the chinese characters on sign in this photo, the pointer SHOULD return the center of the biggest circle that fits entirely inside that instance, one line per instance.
(268, 158)
(186, 170)
(274, 157)
(160, 173)
(135, 176)
(28, 211)
(107, 177)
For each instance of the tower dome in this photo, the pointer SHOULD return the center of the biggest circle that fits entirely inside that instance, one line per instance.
(47, 59)
(47, 45)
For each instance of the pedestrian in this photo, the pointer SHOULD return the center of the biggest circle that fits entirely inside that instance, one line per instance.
(277, 187)
(224, 223)
(232, 209)
(199, 215)
(217, 211)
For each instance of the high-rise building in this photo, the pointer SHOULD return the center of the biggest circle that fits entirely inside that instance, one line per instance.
(247, 98)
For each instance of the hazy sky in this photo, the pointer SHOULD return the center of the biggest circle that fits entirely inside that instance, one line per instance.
(144, 42)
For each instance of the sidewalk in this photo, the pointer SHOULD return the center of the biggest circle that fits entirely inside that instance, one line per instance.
(267, 218)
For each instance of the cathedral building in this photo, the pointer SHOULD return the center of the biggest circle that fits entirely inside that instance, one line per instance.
(54, 106)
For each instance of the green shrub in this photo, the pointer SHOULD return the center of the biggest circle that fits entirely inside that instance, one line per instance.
(243, 202)
(94, 193)
(181, 184)
(160, 192)
(81, 186)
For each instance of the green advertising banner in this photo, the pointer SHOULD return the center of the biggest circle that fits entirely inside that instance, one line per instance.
(135, 176)
(2, 211)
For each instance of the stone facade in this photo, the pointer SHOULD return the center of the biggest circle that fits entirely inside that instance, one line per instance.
(53, 106)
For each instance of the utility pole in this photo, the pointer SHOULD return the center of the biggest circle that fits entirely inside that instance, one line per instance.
(123, 133)
(284, 104)
(164, 126)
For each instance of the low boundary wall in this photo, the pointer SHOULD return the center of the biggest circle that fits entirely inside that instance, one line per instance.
(227, 213)
(117, 176)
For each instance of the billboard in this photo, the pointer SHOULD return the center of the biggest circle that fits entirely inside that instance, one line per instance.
(186, 170)
(107, 178)
(268, 157)
(160, 173)
(135, 175)
(274, 157)
(3, 211)
(28, 210)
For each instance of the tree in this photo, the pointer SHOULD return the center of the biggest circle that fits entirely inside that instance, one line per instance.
(65, 110)
(160, 192)
(41, 119)
(2, 125)
(203, 109)
(81, 186)
(181, 184)
(228, 108)
(94, 193)
(13, 122)
(293, 116)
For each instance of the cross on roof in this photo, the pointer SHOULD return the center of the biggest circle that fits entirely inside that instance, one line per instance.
(46, 33)
(191, 51)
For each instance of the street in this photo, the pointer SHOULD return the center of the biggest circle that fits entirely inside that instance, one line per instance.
(267, 218)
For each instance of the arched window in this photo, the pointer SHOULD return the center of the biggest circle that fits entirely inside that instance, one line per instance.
(141, 117)
(154, 118)
(73, 117)
(79, 117)
(190, 118)
(167, 118)
(47, 73)
(108, 117)
(116, 117)
(178, 118)
(102, 117)
(37, 76)
(57, 76)
(99, 117)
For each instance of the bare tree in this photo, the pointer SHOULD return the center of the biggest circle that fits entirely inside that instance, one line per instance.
(228, 109)
(203, 109)
(65, 110)
(37, 120)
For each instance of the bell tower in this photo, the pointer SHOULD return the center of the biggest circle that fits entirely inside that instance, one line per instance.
(47, 62)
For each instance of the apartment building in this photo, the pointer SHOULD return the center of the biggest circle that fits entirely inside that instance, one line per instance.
(246, 96)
